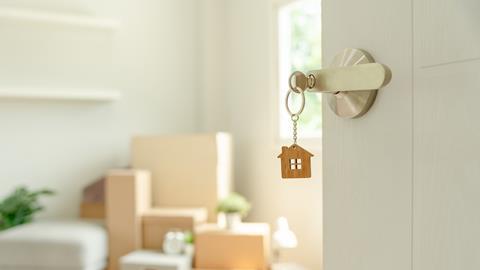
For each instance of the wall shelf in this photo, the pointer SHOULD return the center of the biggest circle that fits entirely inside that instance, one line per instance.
(97, 95)
(46, 17)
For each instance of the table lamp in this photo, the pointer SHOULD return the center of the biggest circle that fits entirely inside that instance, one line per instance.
(283, 238)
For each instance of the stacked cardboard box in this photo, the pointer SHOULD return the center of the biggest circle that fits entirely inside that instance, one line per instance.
(246, 247)
(171, 175)
(127, 198)
(93, 200)
(187, 170)
(158, 221)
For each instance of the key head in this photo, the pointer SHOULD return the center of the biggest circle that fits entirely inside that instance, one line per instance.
(298, 81)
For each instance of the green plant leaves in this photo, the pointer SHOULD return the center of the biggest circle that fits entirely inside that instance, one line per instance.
(234, 203)
(20, 206)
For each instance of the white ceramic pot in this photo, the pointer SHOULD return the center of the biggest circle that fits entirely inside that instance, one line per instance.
(174, 242)
(233, 220)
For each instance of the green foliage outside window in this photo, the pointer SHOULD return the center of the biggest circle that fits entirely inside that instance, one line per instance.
(306, 55)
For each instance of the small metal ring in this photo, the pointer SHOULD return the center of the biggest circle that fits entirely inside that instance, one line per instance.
(311, 80)
(295, 89)
(302, 105)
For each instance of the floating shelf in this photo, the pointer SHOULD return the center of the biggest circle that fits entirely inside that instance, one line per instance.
(36, 16)
(98, 95)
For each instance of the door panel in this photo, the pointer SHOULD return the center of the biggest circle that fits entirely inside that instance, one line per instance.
(446, 31)
(446, 135)
(367, 161)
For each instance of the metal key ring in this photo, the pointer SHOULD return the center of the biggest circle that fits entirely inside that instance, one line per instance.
(302, 105)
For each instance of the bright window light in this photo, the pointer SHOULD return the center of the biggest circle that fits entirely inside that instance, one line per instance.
(299, 48)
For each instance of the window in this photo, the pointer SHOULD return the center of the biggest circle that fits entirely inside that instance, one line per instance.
(299, 48)
(295, 164)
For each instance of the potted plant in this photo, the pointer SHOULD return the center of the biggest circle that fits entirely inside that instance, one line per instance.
(20, 206)
(235, 207)
(189, 244)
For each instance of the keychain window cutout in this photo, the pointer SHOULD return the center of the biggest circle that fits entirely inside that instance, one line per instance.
(295, 162)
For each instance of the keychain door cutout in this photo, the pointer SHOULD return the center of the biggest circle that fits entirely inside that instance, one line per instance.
(295, 162)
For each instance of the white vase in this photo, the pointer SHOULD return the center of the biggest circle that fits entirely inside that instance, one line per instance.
(233, 220)
(174, 242)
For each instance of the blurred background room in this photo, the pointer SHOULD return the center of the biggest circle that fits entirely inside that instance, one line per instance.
(80, 79)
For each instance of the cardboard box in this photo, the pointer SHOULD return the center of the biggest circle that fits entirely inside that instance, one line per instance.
(247, 247)
(187, 170)
(92, 210)
(93, 200)
(157, 222)
(127, 198)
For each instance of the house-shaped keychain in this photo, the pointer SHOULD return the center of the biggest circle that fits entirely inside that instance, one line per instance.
(295, 162)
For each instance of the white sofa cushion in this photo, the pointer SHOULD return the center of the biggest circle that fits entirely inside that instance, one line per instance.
(54, 245)
(94, 267)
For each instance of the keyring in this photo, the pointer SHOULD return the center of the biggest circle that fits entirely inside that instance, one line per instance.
(302, 105)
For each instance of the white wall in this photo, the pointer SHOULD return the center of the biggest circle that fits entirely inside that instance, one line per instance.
(213, 59)
(65, 145)
(248, 99)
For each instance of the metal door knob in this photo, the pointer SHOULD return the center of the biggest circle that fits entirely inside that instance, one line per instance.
(351, 81)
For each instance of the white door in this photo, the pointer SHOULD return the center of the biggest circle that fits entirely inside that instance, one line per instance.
(402, 183)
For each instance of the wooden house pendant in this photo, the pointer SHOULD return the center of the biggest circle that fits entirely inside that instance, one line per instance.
(295, 162)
